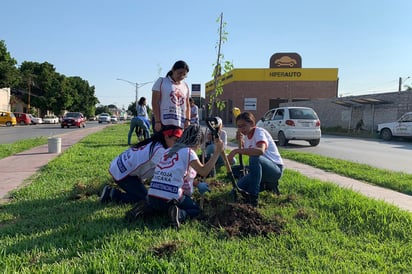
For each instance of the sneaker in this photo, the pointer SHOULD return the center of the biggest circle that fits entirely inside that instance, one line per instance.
(174, 216)
(137, 211)
(105, 196)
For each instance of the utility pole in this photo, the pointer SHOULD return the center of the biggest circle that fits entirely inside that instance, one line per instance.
(137, 85)
(401, 82)
(28, 101)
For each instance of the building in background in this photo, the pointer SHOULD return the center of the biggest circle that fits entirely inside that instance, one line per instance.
(260, 89)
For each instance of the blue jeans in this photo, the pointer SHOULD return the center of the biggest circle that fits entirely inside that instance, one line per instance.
(138, 122)
(188, 207)
(134, 190)
(261, 171)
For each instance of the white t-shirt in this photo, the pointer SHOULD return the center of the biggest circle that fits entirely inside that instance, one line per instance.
(174, 176)
(260, 135)
(194, 113)
(136, 162)
(142, 111)
(173, 98)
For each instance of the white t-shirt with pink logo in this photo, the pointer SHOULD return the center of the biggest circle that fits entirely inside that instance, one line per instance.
(136, 162)
(173, 175)
(260, 135)
(173, 98)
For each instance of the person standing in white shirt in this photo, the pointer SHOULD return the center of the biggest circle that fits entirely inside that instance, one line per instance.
(170, 99)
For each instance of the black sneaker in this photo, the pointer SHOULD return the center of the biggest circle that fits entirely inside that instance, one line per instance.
(174, 216)
(137, 211)
(105, 196)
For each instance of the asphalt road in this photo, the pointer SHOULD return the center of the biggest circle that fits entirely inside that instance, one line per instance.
(10, 135)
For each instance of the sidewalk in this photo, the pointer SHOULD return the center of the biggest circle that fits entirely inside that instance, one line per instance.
(27, 163)
(17, 169)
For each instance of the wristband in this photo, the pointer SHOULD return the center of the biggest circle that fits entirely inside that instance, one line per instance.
(187, 120)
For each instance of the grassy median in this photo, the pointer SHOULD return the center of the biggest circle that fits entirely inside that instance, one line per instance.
(57, 225)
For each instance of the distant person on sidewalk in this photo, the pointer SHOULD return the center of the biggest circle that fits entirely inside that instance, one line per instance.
(265, 162)
(134, 165)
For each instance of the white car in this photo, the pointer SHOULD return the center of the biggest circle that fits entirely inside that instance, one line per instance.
(35, 120)
(113, 119)
(292, 123)
(400, 128)
(50, 119)
(104, 117)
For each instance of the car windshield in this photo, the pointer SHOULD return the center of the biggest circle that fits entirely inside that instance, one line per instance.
(72, 114)
(303, 113)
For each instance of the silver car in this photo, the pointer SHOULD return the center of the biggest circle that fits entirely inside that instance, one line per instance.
(292, 123)
(104, 117)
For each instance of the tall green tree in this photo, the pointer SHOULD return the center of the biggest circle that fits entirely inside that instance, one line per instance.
(42, 84)
(9, 73)
(82, 96)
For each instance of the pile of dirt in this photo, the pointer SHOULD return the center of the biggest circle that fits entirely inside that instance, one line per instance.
(242, 220)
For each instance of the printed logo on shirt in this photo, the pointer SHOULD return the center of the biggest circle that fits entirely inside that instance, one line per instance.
(177, 97)
(168, 162)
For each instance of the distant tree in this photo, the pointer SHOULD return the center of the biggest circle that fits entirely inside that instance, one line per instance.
(9, 73)
(41, 84)
(102, 109)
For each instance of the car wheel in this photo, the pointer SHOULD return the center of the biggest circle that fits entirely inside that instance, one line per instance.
(100, 122)
(282, 139)
(62, 126)
(314, 142)
(386, 134)
(22, 123)
(8, 124)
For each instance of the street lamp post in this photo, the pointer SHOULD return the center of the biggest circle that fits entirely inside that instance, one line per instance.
(401, 81)
(136, 85)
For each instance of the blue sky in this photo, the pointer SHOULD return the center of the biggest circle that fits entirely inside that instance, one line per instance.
(101, 40)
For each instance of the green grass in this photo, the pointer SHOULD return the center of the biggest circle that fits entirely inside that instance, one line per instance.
(21, 145)
(398, 181)
(57, 225)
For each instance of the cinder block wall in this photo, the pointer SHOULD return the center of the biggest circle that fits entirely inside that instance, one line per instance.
(392, 106)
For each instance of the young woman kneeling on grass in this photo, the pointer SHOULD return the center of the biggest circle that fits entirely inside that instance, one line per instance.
(265, 162)
(172, 185)
(136, 164)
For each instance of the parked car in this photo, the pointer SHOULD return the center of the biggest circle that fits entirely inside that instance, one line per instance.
(22, 118)
(35, 120)
(73, 119)
(50, 119)
(113, 119)
(104, 117)
(401, 128)
(292, 123)
(7, 118)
